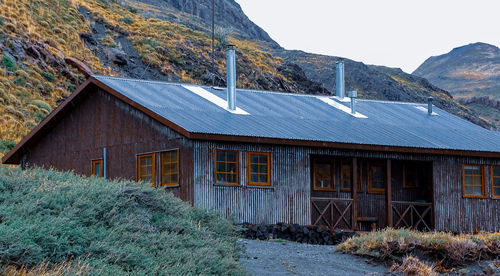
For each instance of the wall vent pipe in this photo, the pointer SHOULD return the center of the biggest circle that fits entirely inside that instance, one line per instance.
(231, 77)
(340, 84)
(353, 95)
(429, 105)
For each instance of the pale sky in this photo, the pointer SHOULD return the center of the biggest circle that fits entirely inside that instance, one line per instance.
(395, 33)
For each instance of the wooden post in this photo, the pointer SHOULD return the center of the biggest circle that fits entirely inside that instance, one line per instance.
(354, 194)
(388, 194)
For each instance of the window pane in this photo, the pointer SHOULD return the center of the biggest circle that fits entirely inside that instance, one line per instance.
(231, 156)
(97, 169)
(322, 173)
(468, 190)
(221, 167)
(263, 159)
(254, 158)
(346, 176)
(378, 177)
(263, 178)
(477, 180)
(468, 170)
(231, 178)
(231, 167)
(496, 181)
(477, 190)
(221, 155)
(254, 168)
(221, 178)
(476, 170)
(263, 168)
(496, 171)
(254, 177)
(496, 191)
(468, 180)
(174, 178)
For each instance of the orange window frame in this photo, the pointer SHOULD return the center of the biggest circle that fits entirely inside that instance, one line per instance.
(371, 189)
(94, 163)
(493, 182)
(249, 162)
(237, 163)
(483, 182)
(332, 175)
(164, 175)
(153, 167)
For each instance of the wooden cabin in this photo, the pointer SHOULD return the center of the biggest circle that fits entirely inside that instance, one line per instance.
(278, 157)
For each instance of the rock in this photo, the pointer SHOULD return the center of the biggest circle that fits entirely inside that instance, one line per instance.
(33, 52)
(491, 269)
(89, 38)
(117, 56)
(83, 68)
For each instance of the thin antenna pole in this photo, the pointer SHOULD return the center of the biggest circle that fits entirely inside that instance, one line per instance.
(213, 42)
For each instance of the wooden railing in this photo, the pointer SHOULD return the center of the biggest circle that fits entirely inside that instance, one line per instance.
(332, 212)
(414, 215)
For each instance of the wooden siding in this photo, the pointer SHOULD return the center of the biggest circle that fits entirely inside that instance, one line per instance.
(101, 120)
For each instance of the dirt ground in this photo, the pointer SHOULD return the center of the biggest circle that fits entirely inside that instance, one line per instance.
(288, 258)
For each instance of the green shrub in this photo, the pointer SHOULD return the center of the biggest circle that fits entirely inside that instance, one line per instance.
(48, 76)
(127, 20)
(42, 105)
(114, 227)
(20, 81)
(9, 63)
(6, 145)
(70, 87)
(1, 21)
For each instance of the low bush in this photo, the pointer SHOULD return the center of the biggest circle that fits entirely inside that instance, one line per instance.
(9, 63)
(446, 249)
(48, 76)
(6, 145)
(51, 219)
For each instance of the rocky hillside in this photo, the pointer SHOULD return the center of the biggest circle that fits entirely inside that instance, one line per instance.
(471, 73)
(41, 41)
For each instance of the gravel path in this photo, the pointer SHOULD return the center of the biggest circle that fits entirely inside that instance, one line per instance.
(288, 258)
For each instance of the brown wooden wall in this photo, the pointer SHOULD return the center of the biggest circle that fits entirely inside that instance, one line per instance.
(100, 120)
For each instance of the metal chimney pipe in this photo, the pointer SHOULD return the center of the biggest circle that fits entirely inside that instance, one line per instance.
(353, 95)
(340, 80)
(231, 77)
(429, 105)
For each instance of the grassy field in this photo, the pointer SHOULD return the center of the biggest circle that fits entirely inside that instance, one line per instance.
(444, 251)
(54, 223)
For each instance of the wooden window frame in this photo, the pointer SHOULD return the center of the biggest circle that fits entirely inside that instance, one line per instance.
(405, 183)
(175, 184)
(483, 181)
(249, 169)
(332, 175)
(153, 164)
(372, 190)
(100, 162)
(237, 183)
(492, 182)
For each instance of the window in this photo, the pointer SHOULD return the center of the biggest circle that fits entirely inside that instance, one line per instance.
(345, 176)
(97, 168)
(410, 175)
(323, 176)
(473, 180)
(226, 167)
(170, 168)
(376, 177)
(259, 172)
(495, 181)
(146, 168)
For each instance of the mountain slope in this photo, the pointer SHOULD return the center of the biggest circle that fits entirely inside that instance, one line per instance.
(164, 40)
(470, 70)
(472, 75)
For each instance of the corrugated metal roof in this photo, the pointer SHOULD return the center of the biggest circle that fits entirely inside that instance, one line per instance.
(306, 117)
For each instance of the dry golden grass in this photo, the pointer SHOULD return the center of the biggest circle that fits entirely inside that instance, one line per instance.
(412, 266)
(44, 269)
(447, 249)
